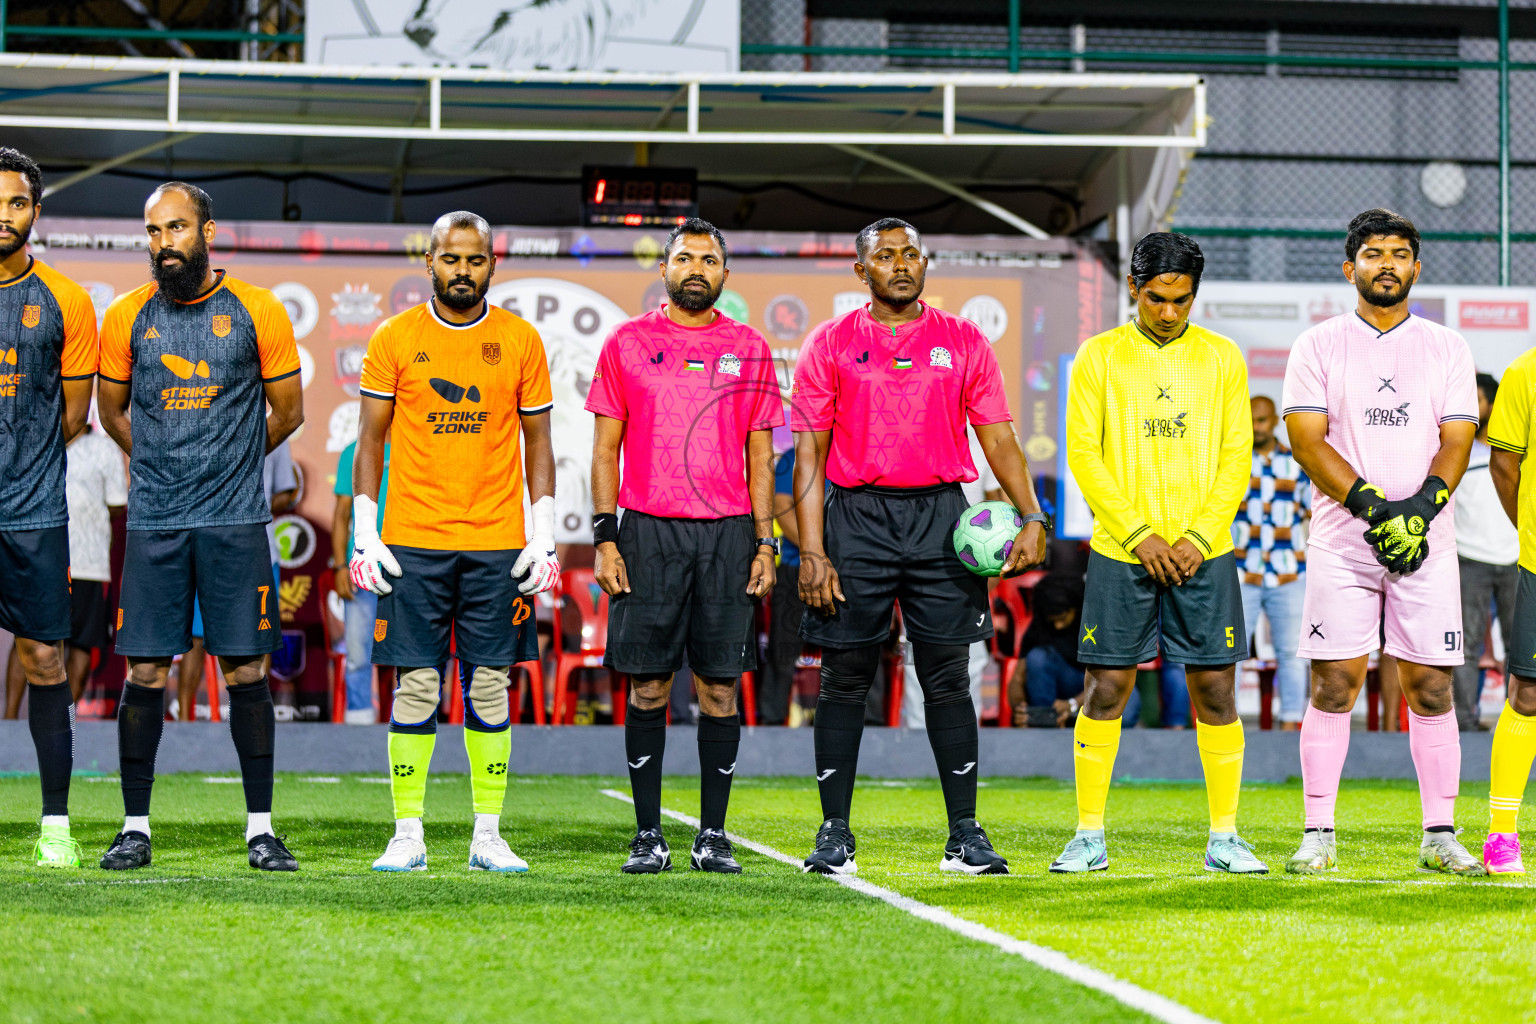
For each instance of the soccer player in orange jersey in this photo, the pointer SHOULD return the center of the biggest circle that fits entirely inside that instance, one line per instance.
(199, 356)
(47, 360)
(460, 383)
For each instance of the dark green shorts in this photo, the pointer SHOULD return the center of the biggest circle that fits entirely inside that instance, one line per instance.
(1520, 649)
(1126, 613)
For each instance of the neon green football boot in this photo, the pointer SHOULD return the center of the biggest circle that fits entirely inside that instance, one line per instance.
(55, 849)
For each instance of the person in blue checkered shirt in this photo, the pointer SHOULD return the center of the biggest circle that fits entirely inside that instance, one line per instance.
(1269, 534)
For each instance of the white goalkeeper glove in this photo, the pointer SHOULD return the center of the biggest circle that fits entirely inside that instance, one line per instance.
(538, 558)
(370, 558)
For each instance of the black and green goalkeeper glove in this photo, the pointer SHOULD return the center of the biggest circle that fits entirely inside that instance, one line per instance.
(1399, 534)
(1363, 499)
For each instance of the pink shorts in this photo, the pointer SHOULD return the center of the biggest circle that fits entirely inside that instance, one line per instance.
(1353, 608)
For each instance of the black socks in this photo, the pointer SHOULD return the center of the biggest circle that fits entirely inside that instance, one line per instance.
(952, 735)
(719, 740)
(839, 728)
(645, 740)
(140, 719)
(253, 725)
(50, 716)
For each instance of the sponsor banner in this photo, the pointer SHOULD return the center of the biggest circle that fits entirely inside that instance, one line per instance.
(613, 35)
(1494, 316)
(1034, 300)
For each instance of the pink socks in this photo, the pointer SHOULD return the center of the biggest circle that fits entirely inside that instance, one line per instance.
(1324, 744)
(1436, 747)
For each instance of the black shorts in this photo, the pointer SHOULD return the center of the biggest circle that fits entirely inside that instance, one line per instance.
(688, 591)
(1520, 649)
(225, 567)
(88, 614)
(34, 589)
(1126, 612)
(464, 598)
(892, 545)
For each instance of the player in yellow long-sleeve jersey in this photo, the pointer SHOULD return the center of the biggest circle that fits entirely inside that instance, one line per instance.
(1514, 738)
(1160, 439)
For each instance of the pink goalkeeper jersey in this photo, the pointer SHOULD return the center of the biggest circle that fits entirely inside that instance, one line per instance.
(688, 397)
(897, 399)
(1385, 395)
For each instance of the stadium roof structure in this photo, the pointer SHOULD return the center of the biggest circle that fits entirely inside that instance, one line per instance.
(940, 129)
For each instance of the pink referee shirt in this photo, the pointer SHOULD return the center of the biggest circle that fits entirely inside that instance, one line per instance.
(897, 399)
(1385, 395)
(688, 397)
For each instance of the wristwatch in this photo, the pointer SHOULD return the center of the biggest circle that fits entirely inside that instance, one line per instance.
(769, 542)
(1036, 517)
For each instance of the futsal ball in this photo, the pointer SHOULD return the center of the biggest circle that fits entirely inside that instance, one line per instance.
(984, 536)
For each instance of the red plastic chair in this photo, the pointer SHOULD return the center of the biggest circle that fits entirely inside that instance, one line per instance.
(1016, 596)
(579, 588)
(532, 676)
(895, 675)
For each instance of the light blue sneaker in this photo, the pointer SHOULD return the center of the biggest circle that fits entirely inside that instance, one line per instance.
(1229, 852)
(1086, 852)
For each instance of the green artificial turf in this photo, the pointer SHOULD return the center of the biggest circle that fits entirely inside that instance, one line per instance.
(201, 937)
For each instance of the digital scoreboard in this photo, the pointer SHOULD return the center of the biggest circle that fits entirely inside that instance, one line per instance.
(638, 196)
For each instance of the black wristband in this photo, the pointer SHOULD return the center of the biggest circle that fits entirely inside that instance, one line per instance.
(605, 528)
(1437, 491)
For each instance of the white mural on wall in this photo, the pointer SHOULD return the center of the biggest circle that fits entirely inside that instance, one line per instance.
(560, 35)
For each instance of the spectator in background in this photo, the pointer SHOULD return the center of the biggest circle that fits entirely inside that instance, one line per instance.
(361, 606)
(1487, 548)
(913, 716)
(1047, 686)
(96, 488)
(281, 486)
(1267, 534)
(785, 607)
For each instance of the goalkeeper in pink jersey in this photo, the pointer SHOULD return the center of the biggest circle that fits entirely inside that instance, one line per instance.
(1381, 407)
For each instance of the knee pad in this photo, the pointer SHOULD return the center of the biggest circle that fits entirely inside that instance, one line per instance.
(485, 697)
(943, 670)
(847, 674)
(416, 697)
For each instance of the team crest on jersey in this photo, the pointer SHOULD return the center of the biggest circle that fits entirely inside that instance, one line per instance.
(221, 325)
(380, 627)
(31, 316)
(940, 357)
(490, 351)
(729, 364)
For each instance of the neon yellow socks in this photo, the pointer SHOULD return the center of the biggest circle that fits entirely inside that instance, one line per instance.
(1221, 755)
(410, 756)
(1093, 760)
(1514, 746)
(488, 754)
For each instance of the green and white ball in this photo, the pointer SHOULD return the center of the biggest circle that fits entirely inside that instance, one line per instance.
(984, 536)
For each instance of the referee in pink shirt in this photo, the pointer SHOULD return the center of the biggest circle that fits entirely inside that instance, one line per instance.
(691, 398)
(882, 396)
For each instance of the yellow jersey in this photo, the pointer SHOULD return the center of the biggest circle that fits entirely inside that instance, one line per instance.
(1509, 428)
(1160, 438)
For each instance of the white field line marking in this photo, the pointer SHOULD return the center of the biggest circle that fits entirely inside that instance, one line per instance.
(157, 881)
(321, 778)
(1150, 1003)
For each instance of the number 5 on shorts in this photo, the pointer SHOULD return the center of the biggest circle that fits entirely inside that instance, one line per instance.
(1231, 640)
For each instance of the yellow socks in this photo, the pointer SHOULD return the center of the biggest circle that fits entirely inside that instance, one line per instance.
(1514, 745)
(410, 755)
(488, 755)
(1221, 755)
(1093, 760)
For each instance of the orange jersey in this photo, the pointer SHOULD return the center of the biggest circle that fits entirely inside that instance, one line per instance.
(47, 336)
(460, 392)
(197, 373)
